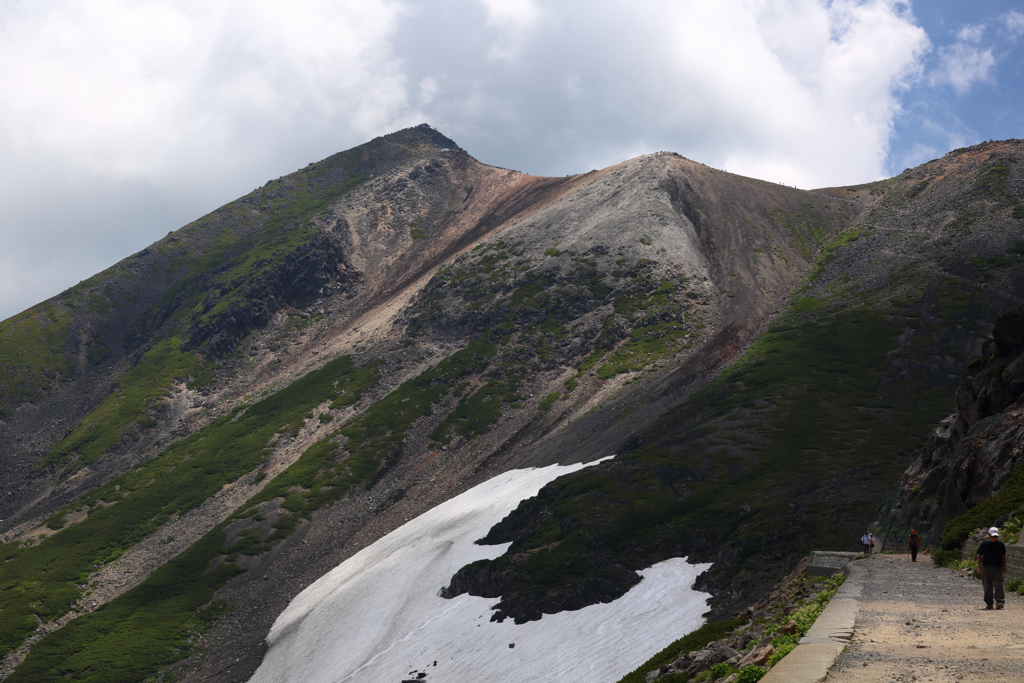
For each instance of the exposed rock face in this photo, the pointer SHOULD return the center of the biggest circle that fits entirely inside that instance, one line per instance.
(973, 451)
(298, 280)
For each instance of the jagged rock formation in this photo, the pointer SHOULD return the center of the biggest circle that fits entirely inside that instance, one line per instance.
(974, 451)
(194, 435)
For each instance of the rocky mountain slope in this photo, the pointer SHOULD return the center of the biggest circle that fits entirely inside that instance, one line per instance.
(790, 448)
(196, 434)
(966, 476)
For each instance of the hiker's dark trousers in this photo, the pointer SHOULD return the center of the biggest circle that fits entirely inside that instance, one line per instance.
(992, 580)
(913, 553)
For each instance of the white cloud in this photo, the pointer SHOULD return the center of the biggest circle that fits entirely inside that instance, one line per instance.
(428, 90)
(831, 91)
(513, 21)
(121, 120)
(185, 103)
(1014, 23)
(573, 87)
(801, 91)
(962, 65)
(126, 87)
(970, 33)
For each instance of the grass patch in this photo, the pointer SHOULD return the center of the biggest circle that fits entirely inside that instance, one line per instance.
(134, 394)
(32, 354)
(352, 455)
(548, 401)
(537, 304)
(41, 581)
(476, 412)
(140, 632)
(1000, 261)
(807, 230)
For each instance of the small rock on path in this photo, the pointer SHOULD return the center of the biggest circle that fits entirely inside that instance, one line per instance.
(918, 622)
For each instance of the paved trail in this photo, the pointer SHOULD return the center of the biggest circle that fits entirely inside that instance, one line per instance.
(917, 622)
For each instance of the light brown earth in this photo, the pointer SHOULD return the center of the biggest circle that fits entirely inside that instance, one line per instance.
(918, 622)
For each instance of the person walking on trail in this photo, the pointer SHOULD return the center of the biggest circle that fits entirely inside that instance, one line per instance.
(865, 540)
(871, 543)
(914, 541)
(992, 565)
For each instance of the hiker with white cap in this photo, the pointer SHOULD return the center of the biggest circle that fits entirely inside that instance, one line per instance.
(992, 565)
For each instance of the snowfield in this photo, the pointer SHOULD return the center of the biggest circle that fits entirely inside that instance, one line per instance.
(377, 618)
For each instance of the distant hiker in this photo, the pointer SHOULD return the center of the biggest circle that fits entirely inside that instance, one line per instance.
(871, 543)
(992, 565)
(865, 540)
(915, 542)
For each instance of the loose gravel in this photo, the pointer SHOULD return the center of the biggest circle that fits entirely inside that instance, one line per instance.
(918, 622)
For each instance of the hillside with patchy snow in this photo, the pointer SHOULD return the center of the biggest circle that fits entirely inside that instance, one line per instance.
(378, 616)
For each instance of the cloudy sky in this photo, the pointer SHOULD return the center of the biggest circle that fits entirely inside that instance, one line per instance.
(121, 120)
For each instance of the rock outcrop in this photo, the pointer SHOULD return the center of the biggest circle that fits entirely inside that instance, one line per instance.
(974, 451)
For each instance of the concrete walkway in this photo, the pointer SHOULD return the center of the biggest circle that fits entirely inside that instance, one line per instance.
(894, 620)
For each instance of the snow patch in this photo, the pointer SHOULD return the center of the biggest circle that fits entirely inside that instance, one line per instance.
(377, 617)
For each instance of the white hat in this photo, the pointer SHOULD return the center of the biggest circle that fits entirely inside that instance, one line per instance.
(993, 531)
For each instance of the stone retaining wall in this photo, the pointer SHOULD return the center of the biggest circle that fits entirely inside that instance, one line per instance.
(1014, 558)
(828, 562)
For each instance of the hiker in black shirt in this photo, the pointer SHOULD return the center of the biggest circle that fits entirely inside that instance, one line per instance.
(992, 565)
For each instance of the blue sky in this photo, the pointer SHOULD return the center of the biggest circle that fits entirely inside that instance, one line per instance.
(986, 103)
(121, 120)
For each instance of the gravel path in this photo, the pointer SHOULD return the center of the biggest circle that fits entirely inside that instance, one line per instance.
(917, 622)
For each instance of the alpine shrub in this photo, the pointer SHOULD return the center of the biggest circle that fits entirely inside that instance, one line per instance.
(751, 674)
(720, 670)
(780, 652)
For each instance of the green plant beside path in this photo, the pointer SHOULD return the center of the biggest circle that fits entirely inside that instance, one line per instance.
(806, 612)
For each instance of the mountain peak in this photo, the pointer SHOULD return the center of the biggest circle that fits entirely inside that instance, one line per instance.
(271, 388)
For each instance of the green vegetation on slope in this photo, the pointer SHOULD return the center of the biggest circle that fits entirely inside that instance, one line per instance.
(326, 471)
(647, 318)
(477, 411)
(254, 244)
(135, 635)
(134, 394)
(659, 326)
(827, 395)
(1011, 257)
(1010, 498)
(32, 354)
(42, 581)
(787, 603)
(807, 230)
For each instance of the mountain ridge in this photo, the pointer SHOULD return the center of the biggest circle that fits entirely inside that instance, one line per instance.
(491, 320)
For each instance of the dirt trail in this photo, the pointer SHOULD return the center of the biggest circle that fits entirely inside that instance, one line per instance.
(918, 622)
